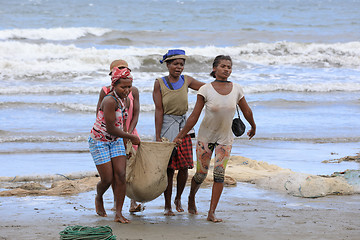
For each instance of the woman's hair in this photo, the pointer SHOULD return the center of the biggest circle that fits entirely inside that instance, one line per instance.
(171, 60)
(217, 62)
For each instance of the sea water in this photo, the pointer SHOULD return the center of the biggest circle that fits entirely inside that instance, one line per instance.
(297, 61)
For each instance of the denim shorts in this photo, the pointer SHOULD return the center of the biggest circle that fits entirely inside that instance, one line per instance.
(102, 152)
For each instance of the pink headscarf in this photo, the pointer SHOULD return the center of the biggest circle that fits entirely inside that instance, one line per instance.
(117, 74)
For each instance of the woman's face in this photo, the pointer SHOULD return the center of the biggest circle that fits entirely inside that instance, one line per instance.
(123, 87)
(176, 67)
(223, 70)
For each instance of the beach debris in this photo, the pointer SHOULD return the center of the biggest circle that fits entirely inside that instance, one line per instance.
(355, 158)
(33, 186)
(352, 177)
(229, 181)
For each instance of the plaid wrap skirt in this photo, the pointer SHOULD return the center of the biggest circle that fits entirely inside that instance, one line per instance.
(182, 156)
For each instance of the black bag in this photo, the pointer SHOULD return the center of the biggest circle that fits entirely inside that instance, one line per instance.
(238, 127)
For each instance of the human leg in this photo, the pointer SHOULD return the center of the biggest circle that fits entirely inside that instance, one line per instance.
(168, 193)
(100, 152)
(183, 162)
(119, 186)
(106, 178)
(215, 196)
(118, 161)
(222, 155)
(191, 200)
(203, 155)
(181, 178)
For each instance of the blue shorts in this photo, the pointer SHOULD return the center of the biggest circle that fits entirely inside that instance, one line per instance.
(102, 152)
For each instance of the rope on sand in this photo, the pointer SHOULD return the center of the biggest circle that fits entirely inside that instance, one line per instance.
(80, 232)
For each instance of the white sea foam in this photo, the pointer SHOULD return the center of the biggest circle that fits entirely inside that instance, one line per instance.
(39, 89)
(4, 139)
(310, 87)
(70, 107)
(255, 88)
(73, 139)
(52, 33)
(289, 53)
(251, 88)
(37, 59)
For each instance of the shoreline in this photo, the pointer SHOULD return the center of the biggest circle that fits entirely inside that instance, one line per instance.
(248, 209)
(247, 212)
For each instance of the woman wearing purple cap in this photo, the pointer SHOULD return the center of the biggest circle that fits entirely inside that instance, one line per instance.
(170, 96)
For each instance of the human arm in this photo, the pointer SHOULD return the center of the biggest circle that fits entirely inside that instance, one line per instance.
(246, 110)
(109, 106)
(136, 109)
(193, 83)
(159, 110)
(192, 119)
(102, 94)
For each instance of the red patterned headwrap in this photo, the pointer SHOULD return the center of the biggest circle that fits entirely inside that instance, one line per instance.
(117, 74)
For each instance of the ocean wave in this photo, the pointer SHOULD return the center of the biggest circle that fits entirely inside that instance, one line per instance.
(45, 151)
(42, 139)
(37, 59)
(66, 107)
(28, 138)
(55, 34)
(305, 87)
(321, 87)
(284, 103)
(336, 55)
(149, 108)
(8, 138)
(311, 140)
(13, 90)
(61, 90)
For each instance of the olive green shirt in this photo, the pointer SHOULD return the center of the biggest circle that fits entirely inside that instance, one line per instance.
(175, 102)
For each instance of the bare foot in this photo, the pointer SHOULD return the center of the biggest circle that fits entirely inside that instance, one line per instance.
(177, 203)
(191, 206)
(136, 208)
(211, 217)
(99, 206)
(121, 219)
(169, 212)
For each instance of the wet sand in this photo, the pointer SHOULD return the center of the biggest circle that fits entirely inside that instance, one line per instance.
(248, 212)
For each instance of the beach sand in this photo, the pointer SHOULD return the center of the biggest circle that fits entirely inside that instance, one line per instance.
(249, 211)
